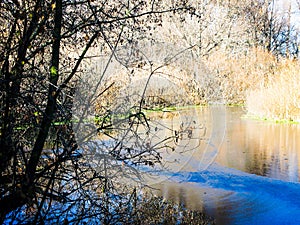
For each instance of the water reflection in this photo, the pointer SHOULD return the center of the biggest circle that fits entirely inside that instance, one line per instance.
(206, 200)
(255, 147)
(259, 147)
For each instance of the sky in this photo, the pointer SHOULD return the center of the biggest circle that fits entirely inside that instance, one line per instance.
(282, 6)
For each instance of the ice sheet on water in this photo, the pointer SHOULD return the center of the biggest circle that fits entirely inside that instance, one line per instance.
(254, 199)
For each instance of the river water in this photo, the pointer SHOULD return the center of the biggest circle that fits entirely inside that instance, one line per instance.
(260, 147)
(242, 172)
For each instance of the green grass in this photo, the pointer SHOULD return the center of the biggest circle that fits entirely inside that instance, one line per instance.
(173, 108)
(271, 120)
(236, 104)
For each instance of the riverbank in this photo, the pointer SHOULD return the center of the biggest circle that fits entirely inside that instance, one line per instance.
(270, 120)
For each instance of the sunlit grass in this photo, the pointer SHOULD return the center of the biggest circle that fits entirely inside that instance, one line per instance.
(280, 98)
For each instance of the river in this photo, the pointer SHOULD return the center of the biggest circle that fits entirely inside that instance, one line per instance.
(242, 172)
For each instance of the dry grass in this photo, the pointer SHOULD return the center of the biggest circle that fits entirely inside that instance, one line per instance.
(267, 85)
(237, 74)
(280, 98)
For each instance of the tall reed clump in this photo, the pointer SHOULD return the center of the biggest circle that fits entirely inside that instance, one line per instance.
(237, 73)
(279, 99)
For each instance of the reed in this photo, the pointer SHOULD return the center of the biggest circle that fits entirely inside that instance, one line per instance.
(280, 98)
(238, 73)
(267, 85)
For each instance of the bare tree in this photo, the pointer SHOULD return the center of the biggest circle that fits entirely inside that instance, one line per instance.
(44, 46)
(270, 27)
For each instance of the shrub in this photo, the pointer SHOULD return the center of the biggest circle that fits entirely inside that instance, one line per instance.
(156, 210)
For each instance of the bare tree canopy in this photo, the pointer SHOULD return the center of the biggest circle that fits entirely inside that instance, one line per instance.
(55, 60)
(43, 47)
